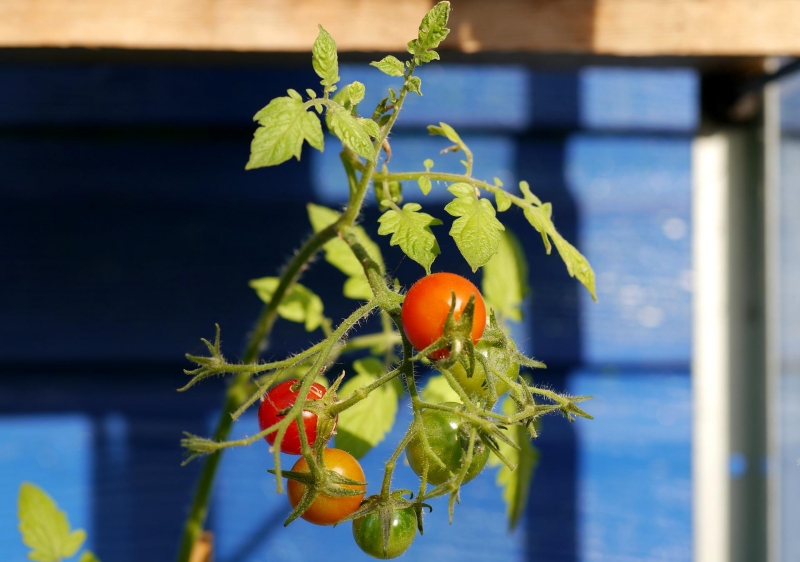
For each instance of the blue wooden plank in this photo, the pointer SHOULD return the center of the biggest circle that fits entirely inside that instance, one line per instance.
(508, 97)
(634, 469)
(790, 104)
(55, 453)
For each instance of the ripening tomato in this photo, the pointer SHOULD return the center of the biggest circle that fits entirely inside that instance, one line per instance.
(368, 533)
(427, 304)
(280, 398)
(448, 438)
(477, 384)
(327, 510)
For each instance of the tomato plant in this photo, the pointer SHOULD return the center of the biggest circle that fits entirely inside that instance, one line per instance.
(325, 509)
(448, 439)
(428, 303)
(368, 531)
(442, 315)
(280, 399)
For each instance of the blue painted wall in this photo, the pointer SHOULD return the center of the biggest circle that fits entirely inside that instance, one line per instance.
(130, 228)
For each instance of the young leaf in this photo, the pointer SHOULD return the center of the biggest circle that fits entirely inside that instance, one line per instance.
(389, 65)
(577, 265)
(366, 423)
(477, 230)
(370, 126)
(355, 92)
(284, 125)
(446, 131)
(438, 390)
(411, 230)
(350, 132)
(325, 60)
(45, 529)
(432, 31)
(505, 278)
(89, 556)
(502, 201)
(299, 305)
(414, 85)
(339, 255)
(515, 484)
(424, 183)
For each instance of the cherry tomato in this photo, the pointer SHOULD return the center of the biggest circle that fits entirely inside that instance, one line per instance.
(427, 304)
(368, 533)
(448, 437)
(327, 510)
(476, 384)
(280, 398)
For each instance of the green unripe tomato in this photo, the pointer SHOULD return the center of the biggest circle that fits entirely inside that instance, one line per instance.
(448, 437)
(368, 533)
(477, 383)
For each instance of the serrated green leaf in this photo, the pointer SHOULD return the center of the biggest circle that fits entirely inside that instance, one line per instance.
(505, 278)
(389, 65)
(410, 229)
(339, 255)
(312, 131)
(432, 30)
(577, 265)
(89, 556)
(284, 126)
(300, 304)
(414, 85)
(370, 126)
(366, 423)
(45, 529)
(438, 390)
(477, 230)
(350, 132)
(324, 58)
(515, 484)
(502, 200)
(355, 92)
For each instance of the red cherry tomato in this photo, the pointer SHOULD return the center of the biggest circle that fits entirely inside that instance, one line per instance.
(427, 304)
(280, 398)
(327, 510)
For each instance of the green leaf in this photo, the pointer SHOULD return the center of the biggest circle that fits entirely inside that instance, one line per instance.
(355, 92)
(502, 201)
(432, 31)
(477, 230)
(389, 65)
(505, 278)
(438, 390)
(414, 85)
(45, 529)
(411, 230)
(370, 126)
(324, 59)
(447, 131)
(424, 183)
(577, 265)
(339, 255)
(515, 484)
(350, 132)
(285, 123)
(89, 556)
(366, 423)
(299, 305)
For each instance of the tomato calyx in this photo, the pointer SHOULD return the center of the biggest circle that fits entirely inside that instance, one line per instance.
(385, 525)
(456, 335)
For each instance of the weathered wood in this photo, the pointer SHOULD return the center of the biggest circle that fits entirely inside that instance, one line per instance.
(619, 27)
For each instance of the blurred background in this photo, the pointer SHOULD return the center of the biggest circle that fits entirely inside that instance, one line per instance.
(664, 134)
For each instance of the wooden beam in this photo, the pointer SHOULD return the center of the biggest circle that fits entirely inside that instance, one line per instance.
(610, 27)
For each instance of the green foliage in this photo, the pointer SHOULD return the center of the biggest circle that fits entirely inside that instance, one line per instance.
(415, 85)
(339, 254)
(411, 230)
(301, 304)
(476, 230)
(325, 60)
(45, 529)
(505, 278)
(89, 556)
(524, 456)
(285, 124)
(366, 423)
(389, 65)
(432, 31)
(350, 132)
